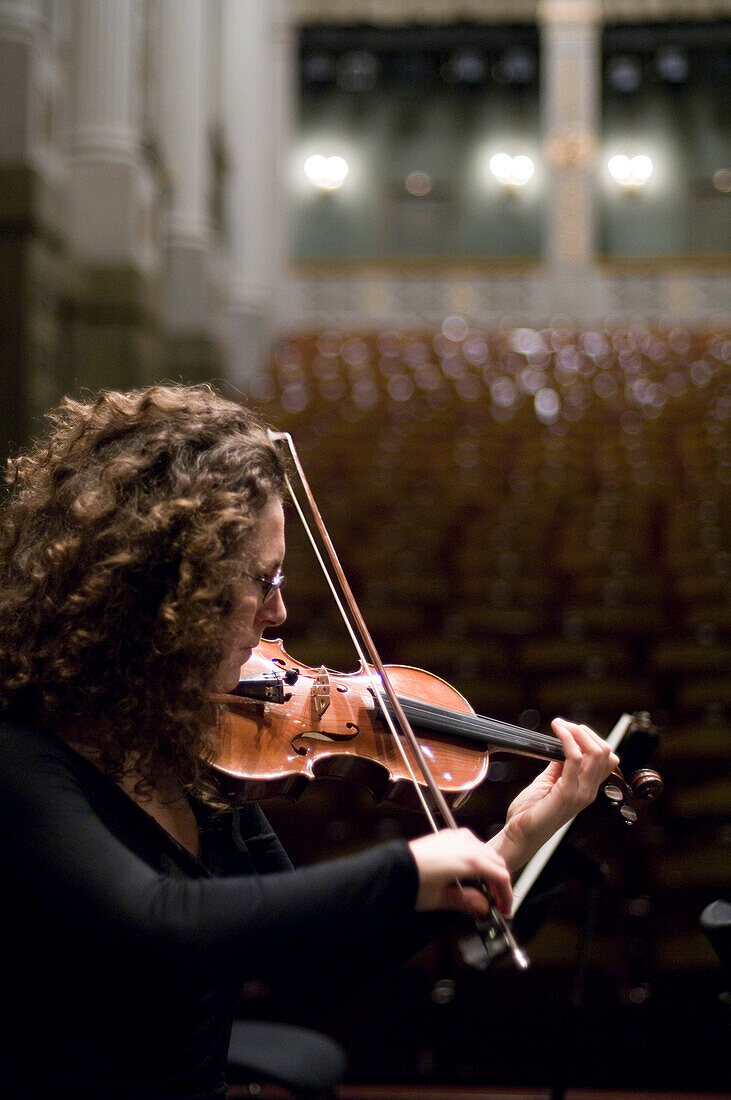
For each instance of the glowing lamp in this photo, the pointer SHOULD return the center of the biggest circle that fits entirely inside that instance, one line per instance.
(630, 173)
(511, 171)
(327, 173)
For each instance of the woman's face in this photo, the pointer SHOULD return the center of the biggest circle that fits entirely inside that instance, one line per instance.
(252, 613)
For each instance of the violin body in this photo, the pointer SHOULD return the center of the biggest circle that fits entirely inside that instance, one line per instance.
(328, 725)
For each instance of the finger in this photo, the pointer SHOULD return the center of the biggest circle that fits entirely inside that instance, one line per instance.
(582, 736)
(611, 757)
(466, 899)
(552, 772)
(571, 750)
(502, 896)
(608, 757)
(592, 738)
(498, 884)
(483, 864)
(457, 855)
(595, 750)
(596, 762)
(586, 762)
(601, 751)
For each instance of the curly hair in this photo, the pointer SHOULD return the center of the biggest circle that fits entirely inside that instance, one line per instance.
(120, 548)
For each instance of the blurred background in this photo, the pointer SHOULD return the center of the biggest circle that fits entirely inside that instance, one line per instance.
(475, 257)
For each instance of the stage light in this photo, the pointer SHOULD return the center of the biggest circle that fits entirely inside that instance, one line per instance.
(510, 171)
(327, 173)
(516, 66)
(624, 73)
(318, 68)
(721, 180)
(357, 71)
(418, 184)
(465, 67)
(547, 405)
(630, 173)
(672, 65)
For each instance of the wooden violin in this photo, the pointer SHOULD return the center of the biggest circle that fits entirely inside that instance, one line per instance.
(286, 724)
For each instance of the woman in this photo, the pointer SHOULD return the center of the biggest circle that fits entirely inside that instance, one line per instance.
(140, 561)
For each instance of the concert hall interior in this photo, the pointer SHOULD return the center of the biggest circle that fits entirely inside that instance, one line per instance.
(474, 258)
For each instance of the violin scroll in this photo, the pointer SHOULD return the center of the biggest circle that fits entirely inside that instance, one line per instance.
(644, 785)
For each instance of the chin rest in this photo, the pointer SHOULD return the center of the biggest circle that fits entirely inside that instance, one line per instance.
(306, 1062)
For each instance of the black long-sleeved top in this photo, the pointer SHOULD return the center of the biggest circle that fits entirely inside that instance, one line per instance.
(123, 957)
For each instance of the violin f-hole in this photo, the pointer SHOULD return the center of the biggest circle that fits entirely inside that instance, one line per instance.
(319, 735)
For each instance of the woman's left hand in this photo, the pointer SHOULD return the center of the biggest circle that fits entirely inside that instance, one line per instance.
(557, 794)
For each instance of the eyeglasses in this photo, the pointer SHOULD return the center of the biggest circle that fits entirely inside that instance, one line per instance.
(275, 583)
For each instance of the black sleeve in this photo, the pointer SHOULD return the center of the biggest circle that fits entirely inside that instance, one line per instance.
(62, 858)
(252, 830)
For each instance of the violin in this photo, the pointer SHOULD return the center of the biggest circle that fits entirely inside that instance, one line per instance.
(286, 724)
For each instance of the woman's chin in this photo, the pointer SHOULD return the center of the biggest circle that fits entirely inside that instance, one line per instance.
(227, 678)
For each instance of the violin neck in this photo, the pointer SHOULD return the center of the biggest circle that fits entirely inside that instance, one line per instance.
(488, 733)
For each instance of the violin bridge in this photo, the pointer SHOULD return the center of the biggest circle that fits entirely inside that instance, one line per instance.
(320, 693)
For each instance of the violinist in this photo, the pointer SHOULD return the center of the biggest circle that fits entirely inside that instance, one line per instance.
(141, 556)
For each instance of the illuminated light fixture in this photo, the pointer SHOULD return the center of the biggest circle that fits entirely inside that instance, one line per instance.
(672, 65)
(327, 173)
(721, 180)
(516, 66)
(318, 68)
(418, 184)
(624, 73)
(510, 171)
(630, 173)
(357, 71)
(465, 67)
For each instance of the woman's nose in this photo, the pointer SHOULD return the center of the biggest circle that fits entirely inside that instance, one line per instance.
(272, 611)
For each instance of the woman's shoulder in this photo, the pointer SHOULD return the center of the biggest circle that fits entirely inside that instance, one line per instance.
(23, 739)
(36, 764)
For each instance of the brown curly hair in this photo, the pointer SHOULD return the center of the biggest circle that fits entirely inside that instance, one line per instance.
(120, 549)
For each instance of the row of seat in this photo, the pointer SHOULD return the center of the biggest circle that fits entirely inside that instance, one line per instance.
(469, 516)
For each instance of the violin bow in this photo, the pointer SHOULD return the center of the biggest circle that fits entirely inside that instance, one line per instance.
(495, 926)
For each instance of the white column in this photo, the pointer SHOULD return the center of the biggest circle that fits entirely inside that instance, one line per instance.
(570, 97)
(104, 63)
(182, 117)
(284, 104)
(255, 184)
(21, 43)
(111, 194)
(32, 112)
(26, 264)
(181, 128)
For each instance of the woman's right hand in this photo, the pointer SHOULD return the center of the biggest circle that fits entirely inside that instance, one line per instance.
(451, 856)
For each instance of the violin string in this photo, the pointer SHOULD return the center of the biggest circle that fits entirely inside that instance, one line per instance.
(474, 726)
(358, 648)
